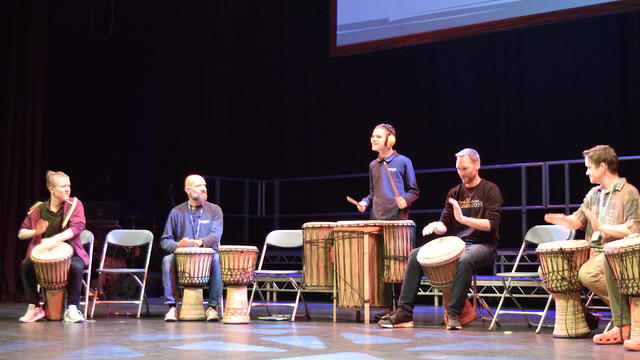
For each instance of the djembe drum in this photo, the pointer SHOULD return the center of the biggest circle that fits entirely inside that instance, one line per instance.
(399, 239)
(359, 266)
(560, 262)
(194, 271)
(52, 268)
(624, 257)
(439, 259)
(317, 244)
(237, 264)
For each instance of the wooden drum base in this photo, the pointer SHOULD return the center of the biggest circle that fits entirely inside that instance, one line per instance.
(570, 321)
(635, 316)
(192, 308)
(236, 308)
(54, 304)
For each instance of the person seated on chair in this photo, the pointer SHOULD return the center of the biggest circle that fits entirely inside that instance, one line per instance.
(61, 218)
(472, 212)
(608, 212)
(196, 222)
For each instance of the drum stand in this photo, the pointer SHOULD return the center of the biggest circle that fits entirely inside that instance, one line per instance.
(634, 304)
(570, 321)
(479, 300)
(54, 303)
(191, 307)
(236, 309)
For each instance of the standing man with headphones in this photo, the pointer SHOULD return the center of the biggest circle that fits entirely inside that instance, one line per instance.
(392, 181)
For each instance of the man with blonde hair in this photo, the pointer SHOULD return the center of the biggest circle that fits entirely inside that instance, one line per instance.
(59, 219)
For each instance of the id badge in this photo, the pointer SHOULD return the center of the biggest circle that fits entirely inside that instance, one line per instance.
(595, 236)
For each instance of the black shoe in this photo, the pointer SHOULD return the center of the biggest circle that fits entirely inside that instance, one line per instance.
(453, 322)
(382, 315)
(396, 319)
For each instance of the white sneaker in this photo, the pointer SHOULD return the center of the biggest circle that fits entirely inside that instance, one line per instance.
(171, 315)
(33, 314)
(73, 315)
(212, 314)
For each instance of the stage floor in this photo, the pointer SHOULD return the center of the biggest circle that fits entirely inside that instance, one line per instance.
(119, 337)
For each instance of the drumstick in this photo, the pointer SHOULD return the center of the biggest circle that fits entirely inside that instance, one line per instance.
(352, 200)
(395, 190)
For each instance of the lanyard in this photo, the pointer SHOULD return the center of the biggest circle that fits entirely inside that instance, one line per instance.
(602, 208)
(195, 229)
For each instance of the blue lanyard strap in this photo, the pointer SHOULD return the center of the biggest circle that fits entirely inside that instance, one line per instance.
(196, 229)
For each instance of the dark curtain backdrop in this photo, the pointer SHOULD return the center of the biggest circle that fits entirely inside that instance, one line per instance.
(130, 98)
(23, 77)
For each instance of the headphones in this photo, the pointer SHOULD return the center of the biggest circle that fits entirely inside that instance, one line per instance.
(391, 134)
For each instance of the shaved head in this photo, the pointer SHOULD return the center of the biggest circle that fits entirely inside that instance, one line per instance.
(196, 188)
(193, 180)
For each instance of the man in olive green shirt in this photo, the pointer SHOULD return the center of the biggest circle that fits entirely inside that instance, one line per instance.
(609, 212)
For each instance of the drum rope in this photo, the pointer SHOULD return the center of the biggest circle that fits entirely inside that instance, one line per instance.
(620, 263)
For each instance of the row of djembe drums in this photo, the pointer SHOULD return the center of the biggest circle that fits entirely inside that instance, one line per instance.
(237, 264)
(367, 255)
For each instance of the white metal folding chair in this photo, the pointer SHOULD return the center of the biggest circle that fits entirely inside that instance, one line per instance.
(87, 238)
(126, 238)
(281, 239)
(536, 235)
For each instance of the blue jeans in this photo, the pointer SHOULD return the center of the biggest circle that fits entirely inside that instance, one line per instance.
(474, 256)
(170, 283)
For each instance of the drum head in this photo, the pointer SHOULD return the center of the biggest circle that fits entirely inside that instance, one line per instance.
(193, 250)
(396, 223)
(440, 251)
(222, 248)
(564, 245)
(62, 250)
(317, 224)
(621, 244)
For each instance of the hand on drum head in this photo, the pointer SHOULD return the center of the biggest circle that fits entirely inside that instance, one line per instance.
(48, 243)
(402, 203)
(186, 242)
(435, 227)
(41, 227)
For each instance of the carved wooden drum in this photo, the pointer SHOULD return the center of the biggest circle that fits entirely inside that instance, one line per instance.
(52, 268)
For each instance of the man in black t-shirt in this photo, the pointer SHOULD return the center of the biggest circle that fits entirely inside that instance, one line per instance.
(472, 212)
